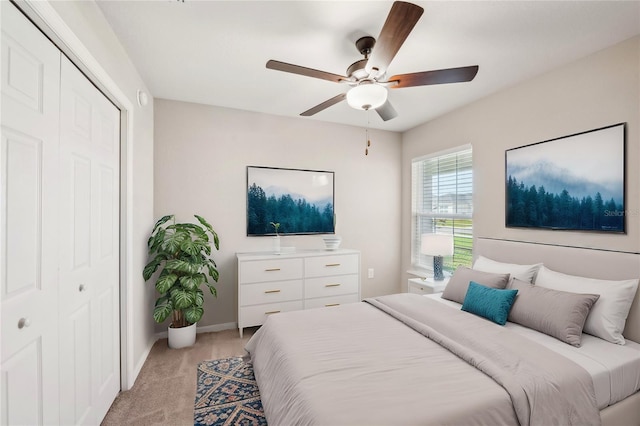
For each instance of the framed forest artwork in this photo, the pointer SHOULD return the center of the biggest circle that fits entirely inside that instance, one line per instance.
(574, 182)
(301, 201)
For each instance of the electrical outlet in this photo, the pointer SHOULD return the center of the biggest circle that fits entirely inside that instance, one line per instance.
(370, 272)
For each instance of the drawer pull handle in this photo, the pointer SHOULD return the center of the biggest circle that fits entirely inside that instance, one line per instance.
(272, 269)
(271, 312)
(331, 285)
(332, 264)
(332, 304)
(272, 291)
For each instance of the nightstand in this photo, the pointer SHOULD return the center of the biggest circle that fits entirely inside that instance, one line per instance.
(426, 286)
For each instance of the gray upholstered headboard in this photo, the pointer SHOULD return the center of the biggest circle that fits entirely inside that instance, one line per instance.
(592, 263)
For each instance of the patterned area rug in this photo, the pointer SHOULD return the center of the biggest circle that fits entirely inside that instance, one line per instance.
(227, 394)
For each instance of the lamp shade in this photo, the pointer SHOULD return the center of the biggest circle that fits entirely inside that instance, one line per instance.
(366, 96)
(437, 244)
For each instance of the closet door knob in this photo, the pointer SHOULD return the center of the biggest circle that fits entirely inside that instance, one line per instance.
(24, 322)
(82, 288)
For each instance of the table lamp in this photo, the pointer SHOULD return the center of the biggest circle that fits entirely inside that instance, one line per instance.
(437, 245)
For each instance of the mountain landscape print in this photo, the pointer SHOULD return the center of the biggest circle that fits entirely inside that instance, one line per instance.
(299, 201)
(571, 183)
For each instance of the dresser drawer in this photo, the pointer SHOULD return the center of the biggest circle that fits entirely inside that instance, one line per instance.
(323, 302)
(270, 292)
(330, 286)
(269, 270)
(250, 316)
(322, 266)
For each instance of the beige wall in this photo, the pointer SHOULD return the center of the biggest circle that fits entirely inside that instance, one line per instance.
(599, 90)
(201, 155)
(87, 22)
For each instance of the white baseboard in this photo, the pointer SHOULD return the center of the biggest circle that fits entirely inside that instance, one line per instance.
(204, 329)
(140, 363)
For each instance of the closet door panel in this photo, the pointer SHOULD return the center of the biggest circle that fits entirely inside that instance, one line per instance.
(22, 175)
(76, 396)
(30, 79)
(107, 342)
(21, 380)
(105, 251)
(89, 266)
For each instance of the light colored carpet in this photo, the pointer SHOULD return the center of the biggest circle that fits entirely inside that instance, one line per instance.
(165, 390)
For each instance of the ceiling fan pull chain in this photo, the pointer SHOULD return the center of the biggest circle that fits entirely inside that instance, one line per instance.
(366, 150)
(366, 134)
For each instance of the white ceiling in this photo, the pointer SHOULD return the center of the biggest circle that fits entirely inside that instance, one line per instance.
(214, 52)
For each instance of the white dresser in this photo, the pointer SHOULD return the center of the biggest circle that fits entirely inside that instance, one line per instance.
(270, 283)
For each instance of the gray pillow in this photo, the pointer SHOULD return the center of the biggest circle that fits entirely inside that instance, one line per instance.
(458, 284)
(559, 314)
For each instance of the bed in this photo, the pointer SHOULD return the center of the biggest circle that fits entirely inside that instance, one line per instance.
(409, 359)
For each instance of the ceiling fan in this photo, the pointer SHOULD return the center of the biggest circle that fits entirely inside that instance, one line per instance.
(367, 77)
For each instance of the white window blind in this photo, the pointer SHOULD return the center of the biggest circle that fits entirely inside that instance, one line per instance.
(442, 202)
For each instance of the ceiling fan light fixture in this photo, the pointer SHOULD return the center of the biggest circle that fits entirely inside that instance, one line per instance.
(367, 95)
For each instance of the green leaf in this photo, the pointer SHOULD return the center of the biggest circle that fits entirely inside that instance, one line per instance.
(182, 299)
(199, 297)
(193, 314)
(213, 273)
(213, 290)
(157, 240)
(204, 223)
(152, 266)
(216, 240)
(193, 229)
(172, 243)
(192, 282)
(200, 233)
(162, 311)
(190, 247)
(178, 265)
(165, 282)
(162, 220)
(162, 300)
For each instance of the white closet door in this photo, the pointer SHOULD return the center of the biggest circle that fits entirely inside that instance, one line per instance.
(89, 250)
(29, 222)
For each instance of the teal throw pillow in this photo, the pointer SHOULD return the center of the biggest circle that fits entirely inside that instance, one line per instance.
(491, 303)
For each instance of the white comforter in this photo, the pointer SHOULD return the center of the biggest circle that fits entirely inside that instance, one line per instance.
(355, 364)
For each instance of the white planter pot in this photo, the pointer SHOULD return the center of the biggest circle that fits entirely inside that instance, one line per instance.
(181, 337)
(276, 245)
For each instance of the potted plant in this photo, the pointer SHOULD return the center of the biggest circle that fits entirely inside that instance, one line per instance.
(181, 251)
(276, 239)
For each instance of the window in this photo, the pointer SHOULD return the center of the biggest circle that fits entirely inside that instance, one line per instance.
(442, 202)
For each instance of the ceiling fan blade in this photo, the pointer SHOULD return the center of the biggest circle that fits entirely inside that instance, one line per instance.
(326, 104)
(400, 21)
(425, 78)
(309, 72)
(386, 111)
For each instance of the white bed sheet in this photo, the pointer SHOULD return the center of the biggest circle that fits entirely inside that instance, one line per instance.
(615, 369)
